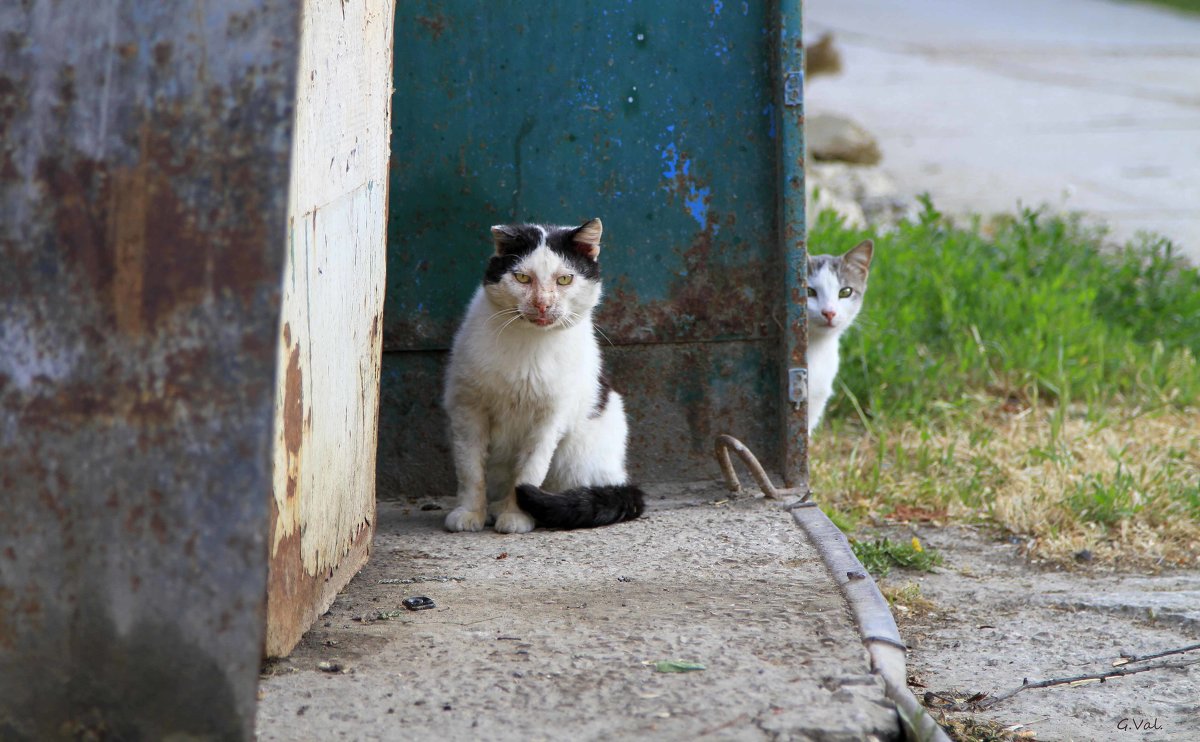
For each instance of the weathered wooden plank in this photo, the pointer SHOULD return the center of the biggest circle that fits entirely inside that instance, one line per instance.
(327, 402)
(144, 152)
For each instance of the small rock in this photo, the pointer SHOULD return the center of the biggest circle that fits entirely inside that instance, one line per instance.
(861, 196)
(1084, 556)
(329, 666)
(836, 138)
(822, 57)
(418, 603)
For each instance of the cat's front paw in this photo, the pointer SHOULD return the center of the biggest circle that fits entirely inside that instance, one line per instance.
(514, 521)
(464, 519)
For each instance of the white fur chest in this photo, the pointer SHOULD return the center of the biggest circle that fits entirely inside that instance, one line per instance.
(822, 361)
(522, 372)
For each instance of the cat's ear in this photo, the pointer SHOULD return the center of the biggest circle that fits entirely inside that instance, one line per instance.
(858, 258)
(586, 239)
(506, 238)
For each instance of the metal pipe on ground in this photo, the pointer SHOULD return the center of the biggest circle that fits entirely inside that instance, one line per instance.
(871, 614)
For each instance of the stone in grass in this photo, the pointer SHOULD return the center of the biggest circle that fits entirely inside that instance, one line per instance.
(830, 137)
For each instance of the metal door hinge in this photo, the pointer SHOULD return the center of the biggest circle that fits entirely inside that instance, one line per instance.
(793, 88)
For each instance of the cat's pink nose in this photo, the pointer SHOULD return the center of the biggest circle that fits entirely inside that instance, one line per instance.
(828, 314)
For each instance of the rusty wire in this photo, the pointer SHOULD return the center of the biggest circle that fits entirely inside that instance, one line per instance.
(721, 449)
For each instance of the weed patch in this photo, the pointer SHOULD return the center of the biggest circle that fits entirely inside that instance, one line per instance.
(880, 555)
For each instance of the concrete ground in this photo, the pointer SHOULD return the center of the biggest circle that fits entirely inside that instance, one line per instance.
(548, 635)
(996, 619)
(1086, 105)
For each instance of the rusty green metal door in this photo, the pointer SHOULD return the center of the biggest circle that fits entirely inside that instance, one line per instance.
(679, 124)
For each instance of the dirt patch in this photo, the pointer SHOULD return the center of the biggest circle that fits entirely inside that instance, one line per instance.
(996, 620)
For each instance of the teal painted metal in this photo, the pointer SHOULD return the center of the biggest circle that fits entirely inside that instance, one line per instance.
(662, 119)
(794, 246)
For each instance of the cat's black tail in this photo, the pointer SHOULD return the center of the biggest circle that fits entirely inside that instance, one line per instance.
(582, 507)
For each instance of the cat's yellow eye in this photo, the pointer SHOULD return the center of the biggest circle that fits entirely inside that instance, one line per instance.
(521, 277)
(812, 292)
(845, 292)
(565, 280)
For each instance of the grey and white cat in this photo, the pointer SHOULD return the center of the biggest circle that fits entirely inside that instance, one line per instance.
(836, 286)
(528, 403)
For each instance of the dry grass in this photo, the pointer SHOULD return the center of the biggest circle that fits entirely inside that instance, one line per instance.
(1118, 489)
(964, 728)
(906, 599)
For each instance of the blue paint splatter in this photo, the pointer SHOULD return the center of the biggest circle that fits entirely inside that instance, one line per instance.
(697, 203)
(671, 161)
(716, 9)
(696, 200)
(769, 112)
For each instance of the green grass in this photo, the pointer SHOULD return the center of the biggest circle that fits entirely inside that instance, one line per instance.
(880, 555)
(1024, 373)
(1106, 500)
(1190, 6)
(1028, 307)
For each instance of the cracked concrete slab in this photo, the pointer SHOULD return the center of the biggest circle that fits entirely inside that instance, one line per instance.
(547, 635)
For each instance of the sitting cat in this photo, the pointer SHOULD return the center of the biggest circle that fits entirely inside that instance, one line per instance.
(836, 285)
(528, 402)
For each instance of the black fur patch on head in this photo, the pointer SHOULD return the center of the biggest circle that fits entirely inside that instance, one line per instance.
(562, 241)
(513, 242)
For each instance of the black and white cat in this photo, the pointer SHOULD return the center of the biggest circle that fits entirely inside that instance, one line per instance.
(836, 286)
(528, 402)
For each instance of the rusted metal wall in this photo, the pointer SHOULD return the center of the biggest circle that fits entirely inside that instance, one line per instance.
(661, 118)
(793, 246)
(144, 152)
(327, 401)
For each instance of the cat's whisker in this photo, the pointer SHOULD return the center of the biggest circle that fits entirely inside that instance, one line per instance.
(506, 324)
(597, 329)
(510, 310)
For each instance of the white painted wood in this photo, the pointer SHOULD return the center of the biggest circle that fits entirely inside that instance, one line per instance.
(327, 395)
